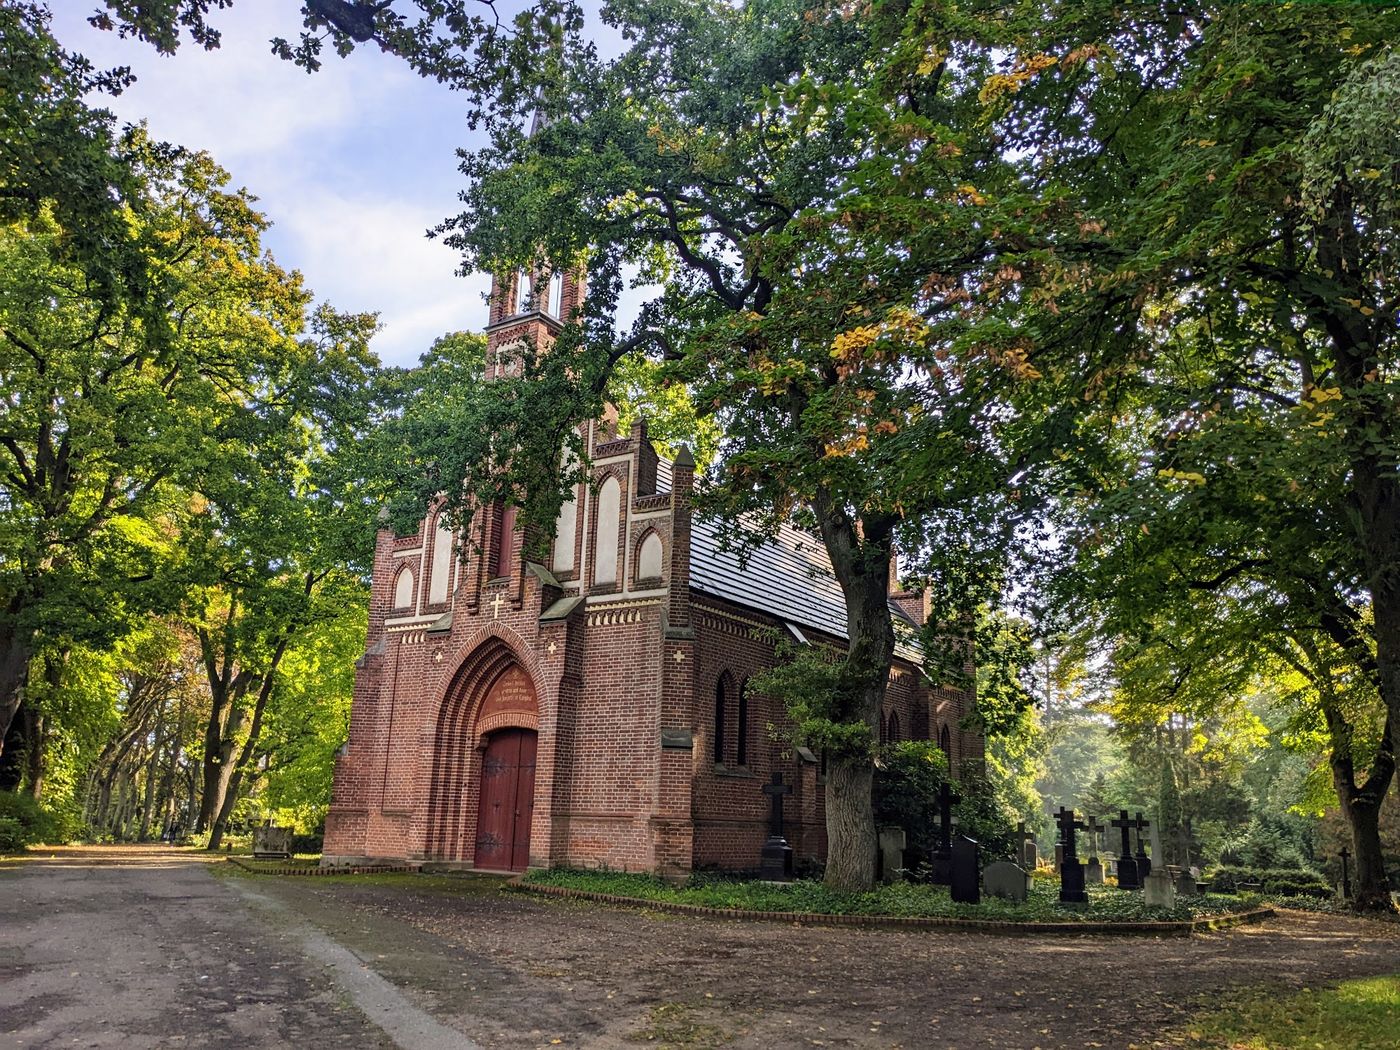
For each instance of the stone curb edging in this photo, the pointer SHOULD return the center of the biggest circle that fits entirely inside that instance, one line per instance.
(373, 869)
(1183, 928)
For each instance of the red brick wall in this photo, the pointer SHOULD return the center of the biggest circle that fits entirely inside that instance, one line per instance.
(600, 686)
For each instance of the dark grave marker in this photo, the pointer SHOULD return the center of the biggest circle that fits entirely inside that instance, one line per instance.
(1144, 863)
(1093, 868)
(1346, 876)
(1127, 866)
(1092, 830)
(943, 852)
(1072, 889)
(964, 883)
(1020, 836)
(775, 859)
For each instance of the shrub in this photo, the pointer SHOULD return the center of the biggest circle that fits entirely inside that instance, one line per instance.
(1297, 887)
(23, 822)
(1227, 878)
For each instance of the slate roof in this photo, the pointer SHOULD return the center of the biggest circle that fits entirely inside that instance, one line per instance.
(788, 577)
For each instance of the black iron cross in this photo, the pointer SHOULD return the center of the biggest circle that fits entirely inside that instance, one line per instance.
(1344, 853)
(1126, 824)
(1065, 818)
(947, 797)
(775, 792)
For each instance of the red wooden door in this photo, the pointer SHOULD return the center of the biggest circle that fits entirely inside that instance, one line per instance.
(507, 801)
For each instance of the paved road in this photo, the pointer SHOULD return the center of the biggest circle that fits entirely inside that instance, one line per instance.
(148, 947)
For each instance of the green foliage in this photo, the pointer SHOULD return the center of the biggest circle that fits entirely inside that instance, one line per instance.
(908, 775)
(1356, 1015)
(23, 822)
(1287, 881)
(1105, 904)
(810, 682)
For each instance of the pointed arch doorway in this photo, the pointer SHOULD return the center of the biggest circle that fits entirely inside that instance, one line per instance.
(507, 801)
(482, 779)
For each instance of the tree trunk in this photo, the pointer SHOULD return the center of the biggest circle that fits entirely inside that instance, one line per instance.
(850, 825)
(860, 556)
(16, 650)
(36, 733)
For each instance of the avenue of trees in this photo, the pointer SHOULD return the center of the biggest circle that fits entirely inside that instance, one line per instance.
(1084, 308)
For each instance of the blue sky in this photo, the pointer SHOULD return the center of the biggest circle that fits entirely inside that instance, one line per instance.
(352, 164)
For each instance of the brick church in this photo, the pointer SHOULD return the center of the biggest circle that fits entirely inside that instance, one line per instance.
(594, 710)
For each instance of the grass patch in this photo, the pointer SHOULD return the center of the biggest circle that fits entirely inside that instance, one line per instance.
(1356, 1015)
(674, 1024)
(1043, 905)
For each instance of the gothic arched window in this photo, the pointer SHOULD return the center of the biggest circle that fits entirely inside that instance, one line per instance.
(741, 756)
(892, 730)
(505, 539)
(522, 291)
(945, 742)
(720, 714)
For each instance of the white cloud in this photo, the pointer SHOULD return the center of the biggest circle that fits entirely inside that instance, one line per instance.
(352, 164)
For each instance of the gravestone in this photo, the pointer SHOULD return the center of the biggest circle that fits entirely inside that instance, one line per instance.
(1127, 866)
(963, 883)
(1158, 891)
(1186, 885)
(891, 853)
(1059, 855)
(1345, 887)
(775, 859)
(943, 852)
(1144, 863)
(1072, 889)
(271, 841)
(1007, 881)
(1093, 872)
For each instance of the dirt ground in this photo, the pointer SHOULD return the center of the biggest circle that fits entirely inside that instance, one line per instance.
(505, 970)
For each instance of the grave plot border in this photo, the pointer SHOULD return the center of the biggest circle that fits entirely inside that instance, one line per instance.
(362, 869)
(1174, 928)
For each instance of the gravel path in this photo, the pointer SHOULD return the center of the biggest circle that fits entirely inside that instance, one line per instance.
(522, 972)
(138, 948)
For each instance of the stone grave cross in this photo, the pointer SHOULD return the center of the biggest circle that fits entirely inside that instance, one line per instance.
(1020, 836)
(1093, 829)
(1065, 818)
(1144, 862)
(943, 854)
(775, 790)
(775, 859)
(1127, 866)
(947, 798)
(1072, 889)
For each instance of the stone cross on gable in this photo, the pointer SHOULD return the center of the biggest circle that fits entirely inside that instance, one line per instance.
(775, 790)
